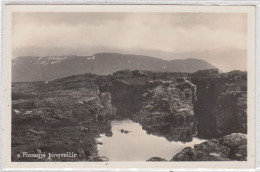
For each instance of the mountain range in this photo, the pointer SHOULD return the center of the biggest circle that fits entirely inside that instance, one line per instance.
(31, 68)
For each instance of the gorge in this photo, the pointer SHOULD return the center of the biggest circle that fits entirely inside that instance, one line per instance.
(68, 114)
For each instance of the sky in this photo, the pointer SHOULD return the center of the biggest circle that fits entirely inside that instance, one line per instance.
(218, 38)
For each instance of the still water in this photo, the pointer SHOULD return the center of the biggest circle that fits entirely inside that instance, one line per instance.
(137, 145)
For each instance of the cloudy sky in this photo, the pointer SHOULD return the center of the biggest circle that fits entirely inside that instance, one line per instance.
(218, 38)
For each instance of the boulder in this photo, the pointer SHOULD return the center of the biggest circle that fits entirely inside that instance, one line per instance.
(124, 131)
(81, 154)
(187, 154)
(212, 147)
(156, 159)
(234, 140)
(237, 143)
(230, 147)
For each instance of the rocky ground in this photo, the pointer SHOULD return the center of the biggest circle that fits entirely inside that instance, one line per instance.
(227, 148)
(69, 113)
(62, 116)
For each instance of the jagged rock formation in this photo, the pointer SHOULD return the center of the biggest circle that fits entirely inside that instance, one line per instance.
(219, 101)
(70, 111)
(168, 110)
(162, 102)
(221, 108)
(230, 147)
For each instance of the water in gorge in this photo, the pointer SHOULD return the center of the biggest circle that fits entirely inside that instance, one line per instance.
(137, 145)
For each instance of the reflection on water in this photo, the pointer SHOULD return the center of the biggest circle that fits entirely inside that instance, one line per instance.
(137, 145)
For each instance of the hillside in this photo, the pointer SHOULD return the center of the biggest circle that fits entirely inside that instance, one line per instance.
(49, 68)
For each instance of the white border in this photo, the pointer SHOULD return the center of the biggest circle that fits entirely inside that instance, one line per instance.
(187, 165)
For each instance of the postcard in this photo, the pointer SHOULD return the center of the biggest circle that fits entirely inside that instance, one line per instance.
(129, 86)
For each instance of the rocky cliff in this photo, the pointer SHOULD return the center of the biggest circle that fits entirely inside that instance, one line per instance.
(69, 113)
(221, 108)
(167, 110)
(59, 116)
(161, 102)
(214, 103)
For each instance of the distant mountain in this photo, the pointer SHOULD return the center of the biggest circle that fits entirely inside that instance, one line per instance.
(48, 68)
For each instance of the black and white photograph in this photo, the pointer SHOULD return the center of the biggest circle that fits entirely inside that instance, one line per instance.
(131, 86)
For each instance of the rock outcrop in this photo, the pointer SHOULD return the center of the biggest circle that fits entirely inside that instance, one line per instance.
(70, 111)
(214, 103)
(161, 102)
(230, 147)
(168, 110)
(221, 108)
